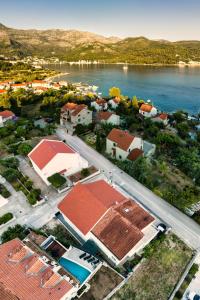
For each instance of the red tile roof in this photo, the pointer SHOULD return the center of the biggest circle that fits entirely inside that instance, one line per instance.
(135, 153)
(39, 81)
(78, 109)
(163, 116)
(123, 223)
(87, 203)
(101, 101)
(2, 91)
(104, 115)
(123, 139)
(46, 150)
(146, 107)
(16, 282)
(69, 106)
(6, 114)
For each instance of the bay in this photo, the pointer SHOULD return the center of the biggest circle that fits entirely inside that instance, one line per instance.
(170, 88)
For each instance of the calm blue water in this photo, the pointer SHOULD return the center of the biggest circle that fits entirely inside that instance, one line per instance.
(76, 270)
(170, 88)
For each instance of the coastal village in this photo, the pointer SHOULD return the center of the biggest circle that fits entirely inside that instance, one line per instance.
(64, 188)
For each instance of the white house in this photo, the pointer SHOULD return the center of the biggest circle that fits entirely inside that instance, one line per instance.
(108, 117)
(17, 86)
(114, 102)
(99, 104)
(50, 157)
(148, 110)
(36, 83)
(98, 212)
(161, 118)
(122, 145)
(73, 114)
(5, 116)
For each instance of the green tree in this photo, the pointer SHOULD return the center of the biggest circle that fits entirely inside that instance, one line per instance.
(24, 149)
(11, 233)
(98, 143)
(57, 180)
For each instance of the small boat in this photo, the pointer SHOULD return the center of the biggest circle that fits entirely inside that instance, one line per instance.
(125, 67)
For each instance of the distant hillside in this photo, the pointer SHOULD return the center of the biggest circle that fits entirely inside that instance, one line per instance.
(73, 45)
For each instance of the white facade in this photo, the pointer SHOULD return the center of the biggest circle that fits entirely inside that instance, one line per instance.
(116, 152)
(113, 119)
(160, 120)
(113, 104)
(99, 106)
(149, 114)
(70, 121)
(4, 120)
(71, 162)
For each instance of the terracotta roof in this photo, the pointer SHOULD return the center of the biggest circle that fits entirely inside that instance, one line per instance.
(39, 81)
(100, 101)
(123, 139)
(117, 233)
(78, 109)
(135, 153)
(117, 100)
(163, 116)
(130, 210)
(42, 88)
(69, 106)
(146, 107)
(18, 84)
(2, 91)
(6, 114)
(46, 150)
(44, 284)
(122, 223)
(104, 115)
(87, 203)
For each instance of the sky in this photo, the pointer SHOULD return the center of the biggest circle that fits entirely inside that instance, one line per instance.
(156, 19)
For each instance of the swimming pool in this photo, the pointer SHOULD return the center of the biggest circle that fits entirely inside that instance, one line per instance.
(76, 270)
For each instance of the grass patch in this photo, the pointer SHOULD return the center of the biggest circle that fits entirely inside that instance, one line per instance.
(158, 274)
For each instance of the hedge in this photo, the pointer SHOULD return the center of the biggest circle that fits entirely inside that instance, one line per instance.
(6, 218)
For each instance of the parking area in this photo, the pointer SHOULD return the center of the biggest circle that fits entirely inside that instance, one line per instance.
(194, 287)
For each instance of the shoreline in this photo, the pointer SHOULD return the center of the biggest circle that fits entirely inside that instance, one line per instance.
(127, 64)
(56, 76)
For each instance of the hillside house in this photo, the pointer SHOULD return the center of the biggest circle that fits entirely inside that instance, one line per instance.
(73, 114)
(50, 157)
(148, 110)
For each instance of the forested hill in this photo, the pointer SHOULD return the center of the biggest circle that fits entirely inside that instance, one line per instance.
(72, 45)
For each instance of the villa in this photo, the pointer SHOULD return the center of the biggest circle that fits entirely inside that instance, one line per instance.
(161, 118)
(106, 218)
(148, 110)
(51, 156)
(122, 145)
(5, 116)
(73, 114)
(99, 104)
(114, 102)
(107, 117)
(25, 274)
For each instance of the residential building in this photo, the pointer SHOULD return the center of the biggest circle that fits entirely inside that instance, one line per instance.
(43, 83)
(5, 116)
(122, 145)
(26, 275)
(4, 85)
(108, 117)
(17, 86)
(114, 102)
(51, 156)
(161, 118)
(98, 212)
(99, 104)
(2, 91)
(148, 110)
(73, 114)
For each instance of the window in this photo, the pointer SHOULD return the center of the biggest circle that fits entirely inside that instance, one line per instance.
(120, 157)
(114, 144)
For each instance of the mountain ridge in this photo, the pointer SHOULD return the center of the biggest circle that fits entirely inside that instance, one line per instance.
(75, 45)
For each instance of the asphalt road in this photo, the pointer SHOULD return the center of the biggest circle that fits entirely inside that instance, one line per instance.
(180, 223)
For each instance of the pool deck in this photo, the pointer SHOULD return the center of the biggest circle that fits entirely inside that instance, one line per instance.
(73, 255)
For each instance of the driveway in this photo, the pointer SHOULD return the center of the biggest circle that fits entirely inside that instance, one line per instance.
(26, 169)
(181, 224)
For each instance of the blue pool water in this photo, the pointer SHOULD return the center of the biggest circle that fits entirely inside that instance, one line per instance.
(75, 269)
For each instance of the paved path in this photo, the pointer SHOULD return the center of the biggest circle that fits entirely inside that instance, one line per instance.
(181, 224)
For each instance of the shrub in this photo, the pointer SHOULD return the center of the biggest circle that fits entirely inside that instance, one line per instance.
(32, 199)
(57, 180)
(85, 172)
(11, 233)
(28, 184)
(6, 218)
(10, 174)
